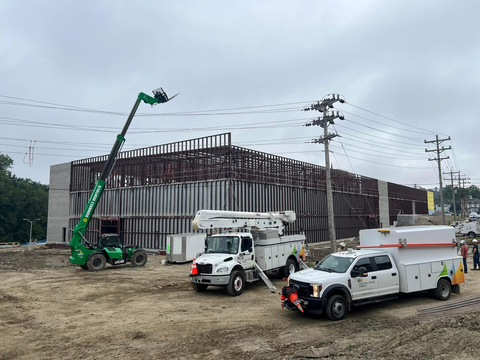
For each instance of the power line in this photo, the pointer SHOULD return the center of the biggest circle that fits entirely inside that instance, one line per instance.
(374, 162)
(388, 118)
(376, 137)
(379, 146)
(390, 157)
(360, 132)
(56, 106)
(394, 127)
(383, 131)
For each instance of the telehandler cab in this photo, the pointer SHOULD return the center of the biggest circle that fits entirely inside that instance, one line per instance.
(109, 248)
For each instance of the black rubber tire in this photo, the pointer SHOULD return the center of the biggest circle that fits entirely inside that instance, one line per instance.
(236, 285)
(443, 290)
(286, 269)
(199, 287)
(471, 234)
(96, 262)
(84, 267)
(336, 308)
(139, 258)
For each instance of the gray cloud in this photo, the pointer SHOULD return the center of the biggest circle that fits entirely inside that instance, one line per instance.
(412, 61)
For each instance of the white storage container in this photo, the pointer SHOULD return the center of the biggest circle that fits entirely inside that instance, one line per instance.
(183, 247)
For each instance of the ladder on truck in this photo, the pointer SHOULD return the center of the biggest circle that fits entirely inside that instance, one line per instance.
(265, 279)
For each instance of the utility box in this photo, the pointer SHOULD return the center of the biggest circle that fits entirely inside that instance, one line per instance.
(422, 254)
(183, 247)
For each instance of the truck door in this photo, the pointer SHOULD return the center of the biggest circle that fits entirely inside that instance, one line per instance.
(387, 275)
(364, 287)
(247, 253)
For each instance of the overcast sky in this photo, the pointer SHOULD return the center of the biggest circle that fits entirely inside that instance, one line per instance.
(415, 62)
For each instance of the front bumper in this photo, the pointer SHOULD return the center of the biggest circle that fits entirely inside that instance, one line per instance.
(217, 280)
(309, 304)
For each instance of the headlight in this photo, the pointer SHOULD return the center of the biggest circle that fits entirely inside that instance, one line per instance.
(222, 269)
(316, 290)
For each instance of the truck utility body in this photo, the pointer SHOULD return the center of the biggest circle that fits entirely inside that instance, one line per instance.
(468, 228)
(233, 258)
(387, 262)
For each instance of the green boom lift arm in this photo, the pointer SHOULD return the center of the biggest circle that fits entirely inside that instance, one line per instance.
(82, 250)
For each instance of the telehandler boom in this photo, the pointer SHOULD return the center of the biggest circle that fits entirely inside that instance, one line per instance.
(110, 248)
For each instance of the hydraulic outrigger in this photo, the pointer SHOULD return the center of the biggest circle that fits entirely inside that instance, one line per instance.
(110, 247)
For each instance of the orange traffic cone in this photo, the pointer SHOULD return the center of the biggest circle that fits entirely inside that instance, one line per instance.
(194, 270)
(293, 298)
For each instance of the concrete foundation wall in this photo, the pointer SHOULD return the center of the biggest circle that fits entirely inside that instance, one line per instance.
(59, 203)
(407, 220)
(383, 207)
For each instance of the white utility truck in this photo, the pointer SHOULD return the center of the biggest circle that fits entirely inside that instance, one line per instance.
(252, 243)
(387, 262)
(468, 228)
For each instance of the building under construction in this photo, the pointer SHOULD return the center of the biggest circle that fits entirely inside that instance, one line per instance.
(156, 191)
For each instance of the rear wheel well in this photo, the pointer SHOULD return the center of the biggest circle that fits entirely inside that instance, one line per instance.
(446, 278)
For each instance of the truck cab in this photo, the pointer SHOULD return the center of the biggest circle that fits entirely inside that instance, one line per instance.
(224, 255)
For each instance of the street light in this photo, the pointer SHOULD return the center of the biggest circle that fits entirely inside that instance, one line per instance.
(31, 222)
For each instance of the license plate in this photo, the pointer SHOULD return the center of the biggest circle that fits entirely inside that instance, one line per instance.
(116, 262)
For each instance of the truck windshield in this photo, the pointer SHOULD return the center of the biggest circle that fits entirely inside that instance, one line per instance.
(332, 263)
(222, 244)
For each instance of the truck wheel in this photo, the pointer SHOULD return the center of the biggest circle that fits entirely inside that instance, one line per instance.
(336, 308)
(443, 290)
(199, 287)
(236, 284)
(96, 262)
(139, 258)
(84, 267)
(290, 267)
(471, 234)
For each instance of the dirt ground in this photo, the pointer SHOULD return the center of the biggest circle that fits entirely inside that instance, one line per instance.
(51, 310)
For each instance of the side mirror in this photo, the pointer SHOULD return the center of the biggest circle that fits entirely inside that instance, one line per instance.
(363, 271)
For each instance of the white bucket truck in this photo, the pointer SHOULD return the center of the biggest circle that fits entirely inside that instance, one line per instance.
(235, 257)
(387, 262)
(468, 228)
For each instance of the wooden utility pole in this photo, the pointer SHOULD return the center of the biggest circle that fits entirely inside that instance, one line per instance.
(439, 160)
(326, 120)
(465, 192)
(453, 194)
(462, 208)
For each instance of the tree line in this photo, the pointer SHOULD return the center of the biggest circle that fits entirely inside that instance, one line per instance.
(21, 199)
(471, 191)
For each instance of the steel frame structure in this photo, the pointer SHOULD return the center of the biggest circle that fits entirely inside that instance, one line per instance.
(155, 191)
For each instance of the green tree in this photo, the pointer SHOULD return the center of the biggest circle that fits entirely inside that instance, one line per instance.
(474, 191)
(21, 199)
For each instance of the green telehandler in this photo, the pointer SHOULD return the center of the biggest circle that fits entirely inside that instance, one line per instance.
(110, 249)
